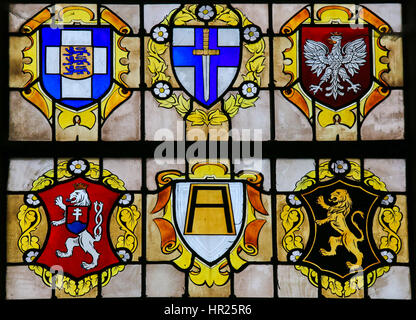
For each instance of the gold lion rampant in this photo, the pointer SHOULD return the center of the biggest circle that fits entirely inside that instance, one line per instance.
(336, 215)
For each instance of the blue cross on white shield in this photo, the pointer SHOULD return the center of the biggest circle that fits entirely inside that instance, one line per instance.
(206, 60)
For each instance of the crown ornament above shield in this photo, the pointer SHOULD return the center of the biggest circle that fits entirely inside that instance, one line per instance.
(206, 45)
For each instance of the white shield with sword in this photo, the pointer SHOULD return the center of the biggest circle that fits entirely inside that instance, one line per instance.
(206, 60)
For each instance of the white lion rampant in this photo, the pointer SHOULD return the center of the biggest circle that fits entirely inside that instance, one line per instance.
(84, 239)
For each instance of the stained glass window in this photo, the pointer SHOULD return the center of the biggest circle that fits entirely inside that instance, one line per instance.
(247, 153)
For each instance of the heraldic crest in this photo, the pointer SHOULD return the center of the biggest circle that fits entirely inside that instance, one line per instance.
(336, 63)
(210, 220)
(353, 227)
(199, 50)
(77, 207)
(75, 64)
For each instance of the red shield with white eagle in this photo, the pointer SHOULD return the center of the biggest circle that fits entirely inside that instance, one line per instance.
(335, 64)
(78, 213)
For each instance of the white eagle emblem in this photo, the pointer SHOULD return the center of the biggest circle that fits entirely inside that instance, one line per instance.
(335, 64)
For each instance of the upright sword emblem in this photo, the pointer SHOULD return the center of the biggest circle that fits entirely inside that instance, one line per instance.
(206, 60)
(206, 52)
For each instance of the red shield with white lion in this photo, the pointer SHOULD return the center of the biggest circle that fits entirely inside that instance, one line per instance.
(335, 64)
(78, 213)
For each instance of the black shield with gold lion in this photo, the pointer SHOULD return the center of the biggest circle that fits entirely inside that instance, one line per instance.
(340, 215)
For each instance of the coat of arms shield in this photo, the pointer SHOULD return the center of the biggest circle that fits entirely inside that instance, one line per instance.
(341, 228)
(206, 60)
(76, 64)
(341, 215)
(79, 211)
(335, 64)
(209, 217)
(69, 239)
